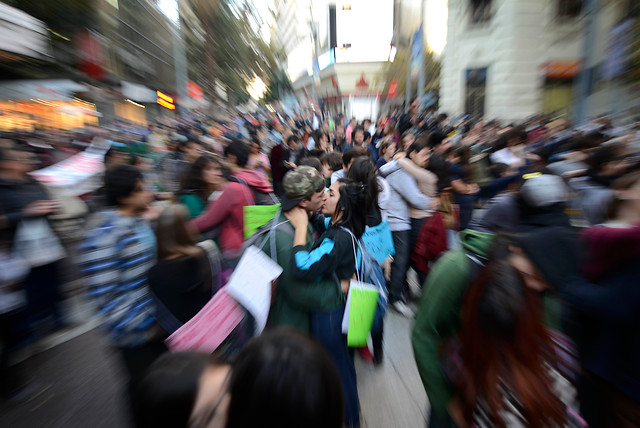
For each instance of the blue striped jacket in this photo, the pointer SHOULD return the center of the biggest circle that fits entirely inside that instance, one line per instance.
(115, 258)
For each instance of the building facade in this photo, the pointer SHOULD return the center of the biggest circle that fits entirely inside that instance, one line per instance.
(511, 59)
(351, 39)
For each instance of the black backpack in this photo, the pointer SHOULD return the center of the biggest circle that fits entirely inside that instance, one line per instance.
(261, 198)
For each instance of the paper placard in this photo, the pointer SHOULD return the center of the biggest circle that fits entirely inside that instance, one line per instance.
(378, 240)
(250, 284)
(359, 312)
(209, 327)
(256, 216)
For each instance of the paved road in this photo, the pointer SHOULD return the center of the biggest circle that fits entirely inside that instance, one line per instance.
(79, 383)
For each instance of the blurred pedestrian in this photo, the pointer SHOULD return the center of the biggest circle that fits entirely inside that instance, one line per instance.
(227, 210)
(183, 279)
(258, 161)
(509, 371)
(606, 298)
(26, 205)
(202, 178)
(117, 254)
(404, 194)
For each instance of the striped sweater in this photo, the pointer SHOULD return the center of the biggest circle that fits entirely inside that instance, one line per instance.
(115, 260)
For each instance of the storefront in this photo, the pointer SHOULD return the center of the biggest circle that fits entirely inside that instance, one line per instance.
(44, 104)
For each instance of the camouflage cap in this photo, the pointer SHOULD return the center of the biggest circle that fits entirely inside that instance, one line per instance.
(300, 184)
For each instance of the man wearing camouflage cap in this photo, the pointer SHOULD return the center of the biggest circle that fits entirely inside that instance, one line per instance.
(295, 299)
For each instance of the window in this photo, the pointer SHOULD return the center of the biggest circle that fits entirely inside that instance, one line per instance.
(569, 8)
(475, 91)
(480, 11)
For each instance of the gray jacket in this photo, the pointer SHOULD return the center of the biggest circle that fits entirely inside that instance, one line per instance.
(404, 193)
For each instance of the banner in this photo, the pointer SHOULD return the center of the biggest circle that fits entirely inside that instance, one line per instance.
(417, 50)
(80, 174)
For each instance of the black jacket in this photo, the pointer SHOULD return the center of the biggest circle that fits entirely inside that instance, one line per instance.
(15, 196)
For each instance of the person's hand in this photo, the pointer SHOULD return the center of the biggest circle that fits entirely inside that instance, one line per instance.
(298, 218)
(434, 205)
(40, 208)
(473, 189)
(344, 285)
(153, 212)
(455, 411)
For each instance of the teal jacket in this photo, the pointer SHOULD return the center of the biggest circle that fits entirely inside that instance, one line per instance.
(295, 299)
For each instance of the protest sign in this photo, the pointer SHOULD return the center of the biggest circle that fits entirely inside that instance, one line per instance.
(379, 241)
(256, 216)
(360, 309)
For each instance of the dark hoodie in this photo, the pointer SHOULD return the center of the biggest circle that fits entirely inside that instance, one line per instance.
(227, 210)
(607, 300)
(555, 252)
(15, 196)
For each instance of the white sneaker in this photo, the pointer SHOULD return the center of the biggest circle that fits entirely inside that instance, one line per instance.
(401, 308)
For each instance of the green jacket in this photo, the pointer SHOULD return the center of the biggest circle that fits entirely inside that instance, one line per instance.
(194, 205)
(296, 299)
(438, 315)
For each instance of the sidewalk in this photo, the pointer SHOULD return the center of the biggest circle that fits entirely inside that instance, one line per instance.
(78, 381)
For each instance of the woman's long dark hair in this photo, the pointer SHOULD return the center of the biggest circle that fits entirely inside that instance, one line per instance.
(439, 166)
(503, 339)
(284, 379)
(352, 206)
(193, 183)
(363, 171)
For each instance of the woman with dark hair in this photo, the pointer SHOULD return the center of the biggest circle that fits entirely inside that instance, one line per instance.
(510, 373)
(201, 179)
(606, 300)
(182, 280)
(258, 161)
(282, 379)
(322, 142)
(182, 389)
(386, 152)
(363, 171)
(333, 255)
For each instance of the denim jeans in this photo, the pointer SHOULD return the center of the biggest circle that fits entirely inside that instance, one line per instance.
(416, 225)
(436, 421)
(398, 281)
(326, 328)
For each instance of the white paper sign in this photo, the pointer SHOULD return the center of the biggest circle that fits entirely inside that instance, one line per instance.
(250, 284)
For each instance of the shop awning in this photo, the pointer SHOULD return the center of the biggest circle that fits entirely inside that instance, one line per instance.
(22, 34)
(52, 90)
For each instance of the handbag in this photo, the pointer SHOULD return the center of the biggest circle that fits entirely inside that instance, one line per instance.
(449, 210)
(36, 243)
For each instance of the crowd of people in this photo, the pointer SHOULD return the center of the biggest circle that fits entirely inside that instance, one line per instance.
(524, 238)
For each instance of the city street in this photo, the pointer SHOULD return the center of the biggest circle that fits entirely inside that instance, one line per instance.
(79, 383)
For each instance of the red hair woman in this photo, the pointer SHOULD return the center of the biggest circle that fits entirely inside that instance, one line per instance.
(509, 372)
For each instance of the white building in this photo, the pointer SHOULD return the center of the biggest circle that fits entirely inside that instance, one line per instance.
(511, 59)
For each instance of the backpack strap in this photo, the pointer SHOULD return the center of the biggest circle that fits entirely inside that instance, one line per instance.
(237, 179)
(476, 264)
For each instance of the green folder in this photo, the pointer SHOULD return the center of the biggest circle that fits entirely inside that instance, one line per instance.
(363, 300)
(256, 216)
